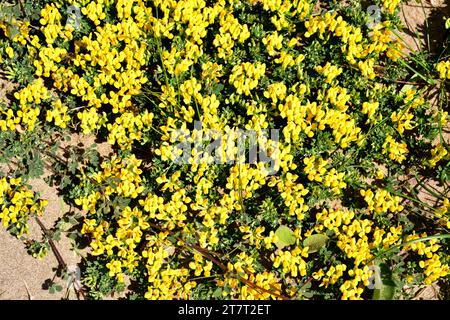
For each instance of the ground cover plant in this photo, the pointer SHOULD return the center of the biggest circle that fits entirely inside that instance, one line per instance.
(262, 149)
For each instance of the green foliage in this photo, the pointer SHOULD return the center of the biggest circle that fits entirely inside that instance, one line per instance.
(315, 242)
(285, 236)
(95, 277)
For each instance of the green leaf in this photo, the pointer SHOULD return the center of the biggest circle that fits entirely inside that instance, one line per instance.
(384, 285)
(385, 292)
(72, 166)
(72, 235)
(447, 24)
(56, 235)
(217, 293)
(285, 237)
(314, 242)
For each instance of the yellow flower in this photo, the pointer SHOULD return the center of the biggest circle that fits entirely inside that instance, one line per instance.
(370, 108)
(390, 5)
(58, 114)
(10, 52)
(443, 68)
(382, 201)
(397, 150)
(245, 77)
(329, 71)
(18, 204)
(91, 120)
(403, 120)
(437, 154)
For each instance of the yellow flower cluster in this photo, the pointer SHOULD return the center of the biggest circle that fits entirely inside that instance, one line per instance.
(132, 223)
(333, 274)
(172, 213)
(352, 289)
(329, 71)
(293, 194)
(403, 120)
(273, 42)
(94, 11)
(382, 37)
(128, 128)
(388, 239)
(370, 108)
(58, 114)
(438, 153)
(29, 97)
(200, 266)
(10, 52)
(397, 150)
(351, 38)
(390, 5)
(338, 97)
(52, 26)
(344, 127)
(254, 237)
(354, 239)
(121, 242)
(256, 287)
(443, 68)
(91, 120)
(245, 77)
(33, 93)
(316, 171)
(113, 54)
(21, 37)
(411, 99)
(299, 117)
(230, 31)
(49, 58)
(291, 261)
(191, 89)
(432, 265)
(382, 201)
(124, 172)
(311, 116)
(443, 211)
(332, 219)
(242, 282)
(17, 204)
(354, 242)
(276, 92)
(164, 281)
(366, 68)
(10, 121)
(335, 180)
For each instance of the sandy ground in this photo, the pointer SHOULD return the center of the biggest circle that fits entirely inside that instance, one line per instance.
(423, 17)
(22, 276)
